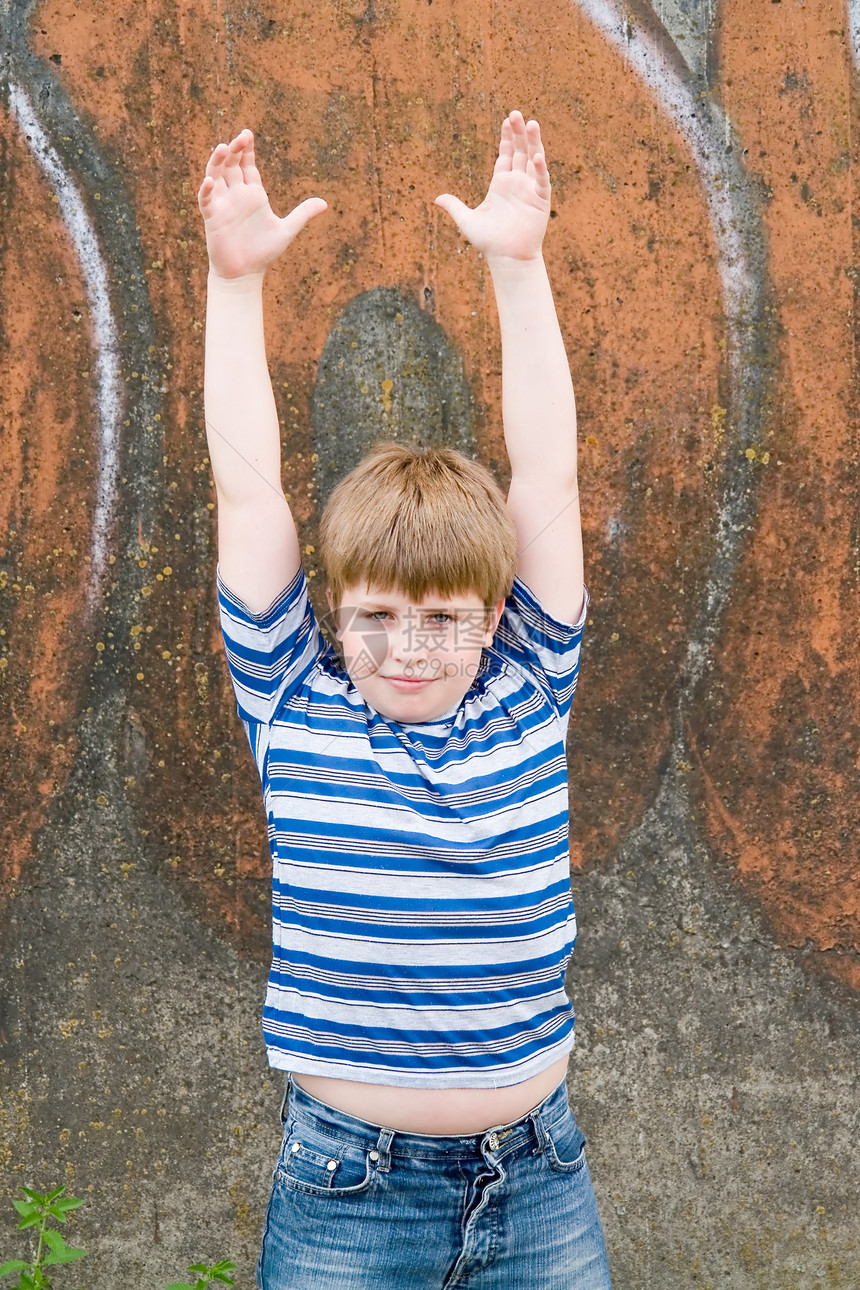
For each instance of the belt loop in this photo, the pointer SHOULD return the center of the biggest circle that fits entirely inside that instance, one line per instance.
(540, 1133)
(285, 1099)
(382, 1152)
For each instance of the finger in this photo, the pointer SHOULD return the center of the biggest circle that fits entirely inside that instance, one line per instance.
(216, 161)
(520, 159)
(454, 207)
(541, 174)
(533, 139)
(232, 170)
(204, 195)
(248, 159)
(506, 148)
(293, 223)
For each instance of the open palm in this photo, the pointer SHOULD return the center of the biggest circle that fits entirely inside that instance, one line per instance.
(511, 220)
(243, 233)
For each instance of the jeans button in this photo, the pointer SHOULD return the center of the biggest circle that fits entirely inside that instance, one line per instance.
(374, 1155)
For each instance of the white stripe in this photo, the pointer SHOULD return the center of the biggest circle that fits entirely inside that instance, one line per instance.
(421, 883)
(718, 179)
(477, 1020)
(854, 28)
(437, 952)
(679, 100)
(109, 400)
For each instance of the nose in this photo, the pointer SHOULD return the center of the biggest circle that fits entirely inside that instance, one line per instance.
(407, 646)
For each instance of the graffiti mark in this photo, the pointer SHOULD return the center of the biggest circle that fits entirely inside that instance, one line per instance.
(691, 25)
(854, 29)
(109, 398)
(707, 131)
(129, 385)
(123, 415)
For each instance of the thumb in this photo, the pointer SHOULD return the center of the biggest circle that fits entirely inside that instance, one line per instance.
(458, 210)
(301, 215)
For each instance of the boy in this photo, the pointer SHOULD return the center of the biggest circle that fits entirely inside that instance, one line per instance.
(416, 794)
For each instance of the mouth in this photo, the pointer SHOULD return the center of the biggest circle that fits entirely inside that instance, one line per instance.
(409, 684)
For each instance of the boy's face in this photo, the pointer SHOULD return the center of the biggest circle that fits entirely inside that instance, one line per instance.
(412, 662)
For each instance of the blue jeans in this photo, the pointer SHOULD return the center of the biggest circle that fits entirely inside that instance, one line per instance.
(355, 1206)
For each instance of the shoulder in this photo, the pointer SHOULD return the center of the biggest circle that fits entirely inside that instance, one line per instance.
(526, 616)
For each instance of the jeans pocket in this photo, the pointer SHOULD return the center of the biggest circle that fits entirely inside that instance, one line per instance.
(318, 1165)
(566, 1147)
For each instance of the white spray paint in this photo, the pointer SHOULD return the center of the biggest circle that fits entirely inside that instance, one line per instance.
(679, 101)
(689, 24)
(106, 343)
(854, 28)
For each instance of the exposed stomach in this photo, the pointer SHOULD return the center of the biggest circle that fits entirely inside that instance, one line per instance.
(435, 1110)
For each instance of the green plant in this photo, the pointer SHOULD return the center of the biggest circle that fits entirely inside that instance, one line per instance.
(36, 1211)
(218, 1272)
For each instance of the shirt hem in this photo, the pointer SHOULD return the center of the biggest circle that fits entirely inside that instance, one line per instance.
(502, 1077)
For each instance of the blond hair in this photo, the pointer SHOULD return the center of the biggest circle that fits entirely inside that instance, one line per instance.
(419, 520)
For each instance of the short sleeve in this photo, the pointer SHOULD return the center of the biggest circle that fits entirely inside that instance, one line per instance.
(530, 638)
(269, 654)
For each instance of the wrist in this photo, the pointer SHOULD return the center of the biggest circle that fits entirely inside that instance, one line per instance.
(235, 284)
(515, 267)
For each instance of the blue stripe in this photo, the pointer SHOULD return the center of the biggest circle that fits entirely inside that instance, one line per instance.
(396, 1049)
(417, 906)
(363, 848)
(443, 976)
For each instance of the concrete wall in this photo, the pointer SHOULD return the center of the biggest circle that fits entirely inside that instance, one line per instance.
(705, 260)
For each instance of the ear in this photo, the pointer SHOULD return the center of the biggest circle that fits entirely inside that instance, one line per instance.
(493, 621)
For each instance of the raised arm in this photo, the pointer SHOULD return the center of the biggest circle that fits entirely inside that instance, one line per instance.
(538, 408)
(258, 549)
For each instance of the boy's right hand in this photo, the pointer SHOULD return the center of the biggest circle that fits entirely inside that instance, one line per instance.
(243, 234)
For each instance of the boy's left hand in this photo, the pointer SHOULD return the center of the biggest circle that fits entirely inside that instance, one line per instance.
(511, 220)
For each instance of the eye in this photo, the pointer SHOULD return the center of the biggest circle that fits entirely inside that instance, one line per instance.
(441, 619)
(374, 615)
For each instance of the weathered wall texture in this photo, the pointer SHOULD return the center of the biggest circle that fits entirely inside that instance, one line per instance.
(704, 255)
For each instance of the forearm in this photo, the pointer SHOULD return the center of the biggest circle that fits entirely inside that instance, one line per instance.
(538, 407)
(241, 417)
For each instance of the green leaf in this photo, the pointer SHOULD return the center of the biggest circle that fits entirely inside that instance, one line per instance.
(24, 1207)
(68, 1255)
(14, 1265)
(222, 1276)
(179, 1285)
(58, 1191)
(34, 1195)
(32, 1220)
(198, 1267)
(60, 1252)
(68, 1204)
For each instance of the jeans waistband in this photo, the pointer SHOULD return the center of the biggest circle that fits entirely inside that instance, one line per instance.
(496, 1141)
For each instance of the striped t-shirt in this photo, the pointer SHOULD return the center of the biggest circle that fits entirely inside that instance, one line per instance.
(421, 911)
